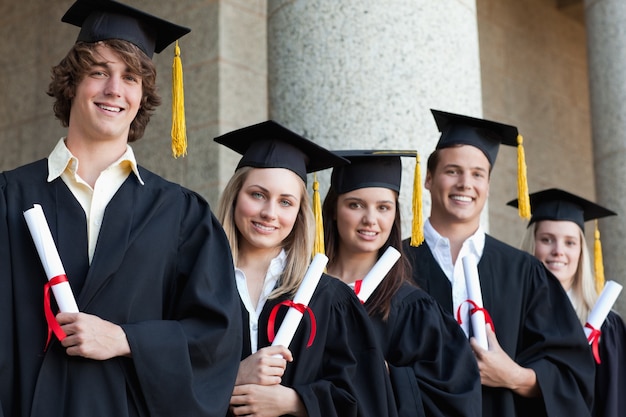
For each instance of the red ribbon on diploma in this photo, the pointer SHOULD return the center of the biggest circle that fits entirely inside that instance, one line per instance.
(53, 324)
(475, 309)
(301, 308)
(357, 288)
(594, 339)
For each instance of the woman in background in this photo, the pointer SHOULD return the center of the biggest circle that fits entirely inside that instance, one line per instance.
(333, 366)
(430, 362)
(555, 235)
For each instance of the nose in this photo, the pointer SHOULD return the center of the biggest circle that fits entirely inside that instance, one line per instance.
(557, 248)
(268, 211)
(368, 218)
(464, 181)
(112, 87)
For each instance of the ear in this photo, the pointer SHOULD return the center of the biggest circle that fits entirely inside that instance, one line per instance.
(428, 181)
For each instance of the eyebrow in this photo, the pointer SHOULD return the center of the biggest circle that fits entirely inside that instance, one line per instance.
(361, 200)
(265, 190)
(479, 168)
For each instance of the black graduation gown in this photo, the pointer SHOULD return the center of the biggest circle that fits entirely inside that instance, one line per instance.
(431, 365)
(535, 325)
(342, 374)
(610, 399)
(162, 270)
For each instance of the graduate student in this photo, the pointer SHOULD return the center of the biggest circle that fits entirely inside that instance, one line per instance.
(333, 366)
(537, 362)
(555, 235)
(159, 329)
(430, 362)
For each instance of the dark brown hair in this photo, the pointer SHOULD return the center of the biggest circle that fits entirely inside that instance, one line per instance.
(433, 158)
(75, 66)
(380, 300)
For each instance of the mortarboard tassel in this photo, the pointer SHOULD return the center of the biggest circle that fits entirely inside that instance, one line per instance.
(318, 242)
(598, 262)
(179, 130)
(522, 181)
(417, 226)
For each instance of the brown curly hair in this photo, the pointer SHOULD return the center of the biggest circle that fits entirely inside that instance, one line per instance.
(71, 70)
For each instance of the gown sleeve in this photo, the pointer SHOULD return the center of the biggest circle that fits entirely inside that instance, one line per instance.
(431, 365)
(6, 310)
(192, 356)
(611, 372)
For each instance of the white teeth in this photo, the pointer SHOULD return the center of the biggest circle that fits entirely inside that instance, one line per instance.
(557, 264)
(461, 198)
(266, 228)
(366, 233)
(115, 109)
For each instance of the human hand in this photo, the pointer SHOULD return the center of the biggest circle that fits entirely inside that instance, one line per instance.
(91, 337)
(265, 401)
(497, 369)
(264, 367)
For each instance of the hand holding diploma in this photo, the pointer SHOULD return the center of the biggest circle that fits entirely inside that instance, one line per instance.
(378, 272)
(300, 303)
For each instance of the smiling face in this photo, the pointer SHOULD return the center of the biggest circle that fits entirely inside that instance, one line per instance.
(459, 186)
(558, 246)
(266, 208)
(365, 218)
(106, 100)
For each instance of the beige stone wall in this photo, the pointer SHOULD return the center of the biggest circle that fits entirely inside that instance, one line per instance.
(534, 75)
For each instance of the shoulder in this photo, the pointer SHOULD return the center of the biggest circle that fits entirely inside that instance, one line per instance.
(155, 183)
(496, 248)
(37, 170)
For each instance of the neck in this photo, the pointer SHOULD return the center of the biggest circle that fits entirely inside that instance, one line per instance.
(94, 157)
(456, 233)
(352, 268)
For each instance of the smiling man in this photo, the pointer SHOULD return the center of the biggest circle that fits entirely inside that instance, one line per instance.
(159, 329)
(538, 362)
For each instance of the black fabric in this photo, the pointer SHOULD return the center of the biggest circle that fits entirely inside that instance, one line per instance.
(162, 270)
(535, 325)
(431, 365)
(610, 399)
(343, 372)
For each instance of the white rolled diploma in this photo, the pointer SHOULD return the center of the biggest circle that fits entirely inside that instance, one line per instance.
(603, 305)
(40, 232)
(378, 272)
(474, 293)
(303, 296)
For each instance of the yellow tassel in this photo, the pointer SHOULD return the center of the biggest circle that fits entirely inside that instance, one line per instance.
(417, 226)
(522, 182)
(318, 242)
(598, 262)
(179, 130)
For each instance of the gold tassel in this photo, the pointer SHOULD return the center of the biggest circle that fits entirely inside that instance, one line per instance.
(598, 262)
(522, 182)
(318, 242)
(179, 130)
(417, 225)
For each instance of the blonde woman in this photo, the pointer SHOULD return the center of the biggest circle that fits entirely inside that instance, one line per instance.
(333, 366)
(555, 235)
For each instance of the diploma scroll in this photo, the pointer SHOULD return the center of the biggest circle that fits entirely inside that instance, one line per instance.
(378, 272)
(292, 319)
(42, 237)
(474, 293)
(602, 307)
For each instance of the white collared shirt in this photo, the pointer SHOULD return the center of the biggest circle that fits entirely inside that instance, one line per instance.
(440, 248)
(61, 163)
(276, 268)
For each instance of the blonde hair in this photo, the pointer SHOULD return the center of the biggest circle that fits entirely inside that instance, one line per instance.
(583, 293)
(298, 245)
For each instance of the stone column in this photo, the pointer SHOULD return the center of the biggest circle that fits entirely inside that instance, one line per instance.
(365, 74)
(606, 42)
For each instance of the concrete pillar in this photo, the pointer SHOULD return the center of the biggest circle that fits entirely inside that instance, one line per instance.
(606, 41)
(364, 74)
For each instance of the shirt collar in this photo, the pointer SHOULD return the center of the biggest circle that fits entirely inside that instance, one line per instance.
(476, 241)
(61, 159)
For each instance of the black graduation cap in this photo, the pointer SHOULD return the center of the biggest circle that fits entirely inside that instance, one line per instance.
(107, 19)
(369, 168)
(557, 204)
(485, 135)
(271, 145)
